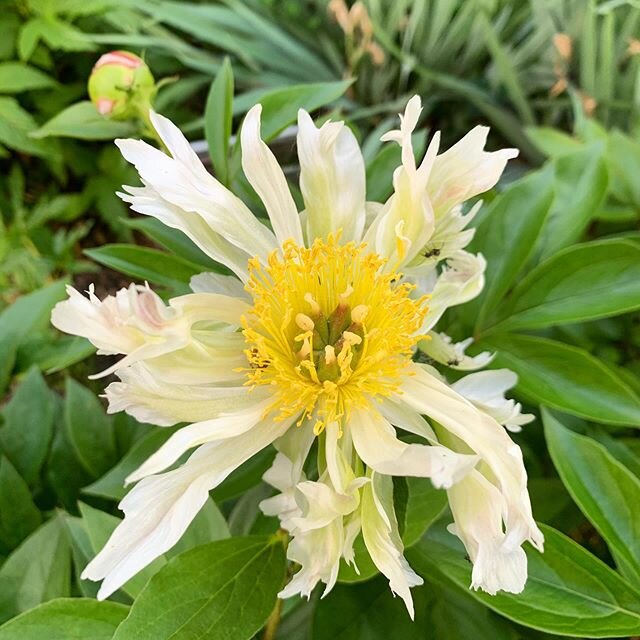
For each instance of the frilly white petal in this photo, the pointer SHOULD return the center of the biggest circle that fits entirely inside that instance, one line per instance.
(159, 509)
(218, 283)
(486, 389)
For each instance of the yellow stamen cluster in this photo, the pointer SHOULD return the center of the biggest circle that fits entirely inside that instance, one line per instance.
(329, 329)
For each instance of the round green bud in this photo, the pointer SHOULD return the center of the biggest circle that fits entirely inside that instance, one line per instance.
(121, 85)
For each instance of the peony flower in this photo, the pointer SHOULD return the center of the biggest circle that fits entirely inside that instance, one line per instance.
(314, 338)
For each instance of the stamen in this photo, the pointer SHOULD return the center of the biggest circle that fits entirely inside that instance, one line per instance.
(315, 307)
(359, 313)
(329, 354)
(304, 322)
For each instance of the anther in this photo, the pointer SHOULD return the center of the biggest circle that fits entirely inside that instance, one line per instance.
(315, 307)
(304, 322)
(329, 354)
(359, 313)
(342, 298)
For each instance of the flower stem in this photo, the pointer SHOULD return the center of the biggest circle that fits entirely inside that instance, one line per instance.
(272, 623)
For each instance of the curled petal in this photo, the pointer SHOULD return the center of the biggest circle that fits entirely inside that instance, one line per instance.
(486, 389)
(376, 443)
(265, 175)
(381, 537)
(159, 509)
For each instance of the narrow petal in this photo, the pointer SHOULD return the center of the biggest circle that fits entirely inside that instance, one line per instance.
(381, 537)
(376, 443)
(265, 175)
(160, 508)
(226, 426)
(466, 170)
(332, 179)
(150, 399)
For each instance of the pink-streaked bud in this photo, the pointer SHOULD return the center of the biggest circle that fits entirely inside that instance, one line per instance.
(121, 85)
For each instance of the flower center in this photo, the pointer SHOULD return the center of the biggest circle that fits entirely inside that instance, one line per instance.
(329, 329)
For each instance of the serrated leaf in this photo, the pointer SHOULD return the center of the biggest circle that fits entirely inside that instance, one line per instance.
(606, 491)
(225, 589)
(565, 378)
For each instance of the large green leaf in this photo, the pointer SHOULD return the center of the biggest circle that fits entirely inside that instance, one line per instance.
(605, 490)
(584, 282)
(89, 429)
(280, 107)
(218, 118)
(508, 236)
(37, 571)
(16, 127)
(66, 619)
(565, 378)
(28, 426)
(19, 516)
(225, 589)
(147, 264)
(581, 185)
(569, 591)
(82, 120)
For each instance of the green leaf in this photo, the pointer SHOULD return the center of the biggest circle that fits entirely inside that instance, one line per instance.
(368, 611)
(580, 186)
(565, 378)
(82, 120)
(508, 235)
(245, 476)
(174, 241)
(111, 485)
(28, 426)
(16, 127)
(552, 142)
(207, 526)
(19, 516)
(569, 591)
(67, 619)
(147, 264)
(605, 490)
(16, 77)
(584, 282)
(218, 118)
(89, 429)
(30, 313)
(225, 589)
(280, 107)
(37, 571)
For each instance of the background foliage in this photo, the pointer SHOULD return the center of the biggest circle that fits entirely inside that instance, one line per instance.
(560, 79)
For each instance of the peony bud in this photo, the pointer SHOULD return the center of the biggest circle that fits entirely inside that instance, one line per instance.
(121, 85)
